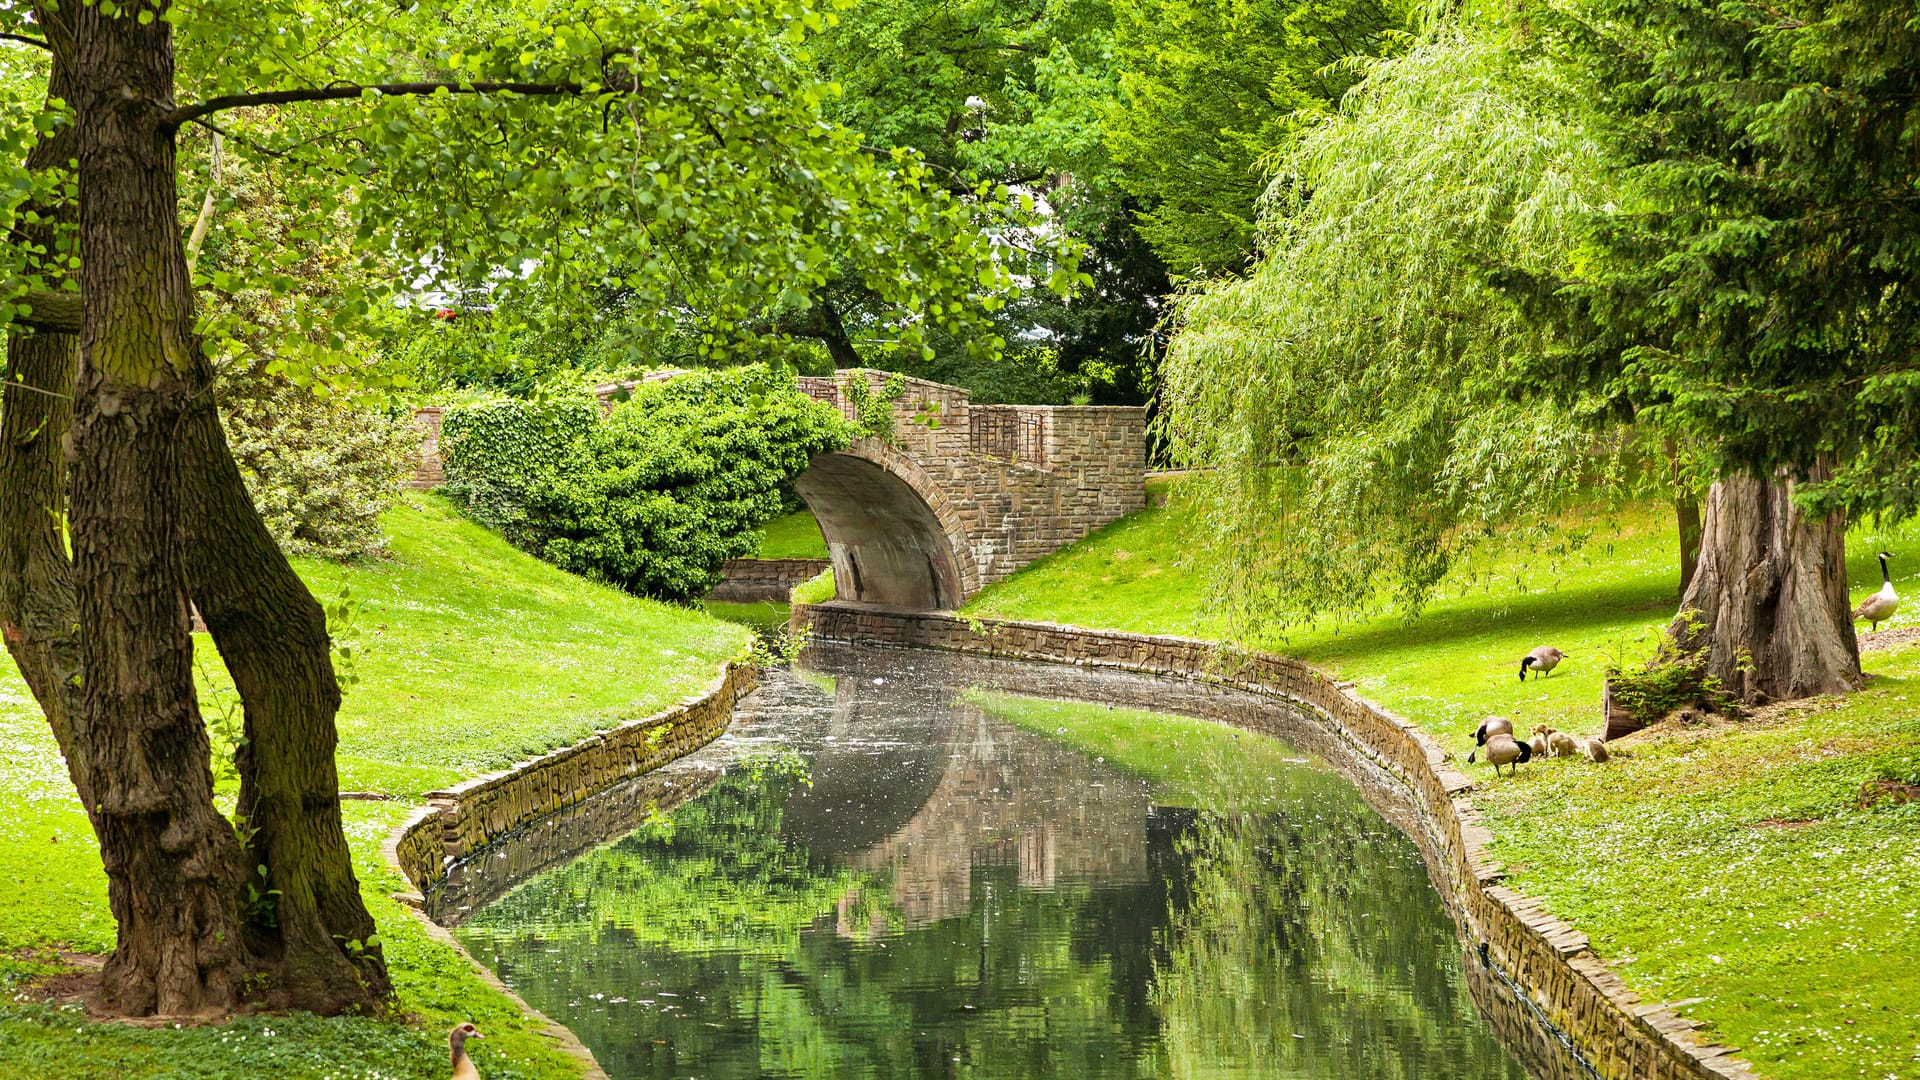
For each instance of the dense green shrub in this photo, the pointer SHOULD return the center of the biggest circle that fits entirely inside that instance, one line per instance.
(496, 452)
(321, 471)
(672, 483)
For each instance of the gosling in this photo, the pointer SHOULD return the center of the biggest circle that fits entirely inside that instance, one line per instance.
(1542, 734)
(1596, 751)
(1563, 744)
(1543, 660)
(1502, 749)
(457, 1041)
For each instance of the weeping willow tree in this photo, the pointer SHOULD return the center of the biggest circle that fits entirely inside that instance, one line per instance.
(1353, 395)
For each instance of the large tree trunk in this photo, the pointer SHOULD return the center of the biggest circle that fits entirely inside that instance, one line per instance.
(155, 477)
(273, 636)
(1768, 603)
(173, 863)
(38, 616)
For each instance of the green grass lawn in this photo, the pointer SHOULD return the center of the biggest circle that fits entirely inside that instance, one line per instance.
(471, 656)
(793, 536)
(1803, 940)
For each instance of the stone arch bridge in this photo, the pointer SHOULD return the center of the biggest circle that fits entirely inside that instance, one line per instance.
(961, 495)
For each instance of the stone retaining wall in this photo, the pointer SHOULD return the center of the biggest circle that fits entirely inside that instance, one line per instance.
(749, 581)
(466, 817)
(1545, 961)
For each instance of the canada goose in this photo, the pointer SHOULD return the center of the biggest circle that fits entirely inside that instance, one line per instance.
(1879, 607)
(1502, 749)
(1491, 726)
(1563, 744)
(1596, 750)
(457, 1041)
(1540, 741)
(1543, 660)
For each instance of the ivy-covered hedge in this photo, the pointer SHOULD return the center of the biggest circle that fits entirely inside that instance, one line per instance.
(496, 452)
(655, 496)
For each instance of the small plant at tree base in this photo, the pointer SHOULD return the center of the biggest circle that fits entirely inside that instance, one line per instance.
(1675, 678)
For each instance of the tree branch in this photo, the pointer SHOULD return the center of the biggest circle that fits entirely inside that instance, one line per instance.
(53, 312)
(25, 39)
(350, 91)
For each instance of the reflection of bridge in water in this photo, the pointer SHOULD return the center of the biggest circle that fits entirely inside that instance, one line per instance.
(993, 796)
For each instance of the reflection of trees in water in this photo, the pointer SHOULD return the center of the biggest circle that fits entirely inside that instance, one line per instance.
(1308, 944)
(714, 875)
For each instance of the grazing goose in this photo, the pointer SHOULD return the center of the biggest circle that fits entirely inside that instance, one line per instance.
(1563, 744)
(1502, 749)
(462, 1064)
(1491, 726)
(1543, 660)
(1879, 607)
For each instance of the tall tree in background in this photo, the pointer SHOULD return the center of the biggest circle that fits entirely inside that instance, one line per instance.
(678, 144)
(1208, 88)
(1756, 291)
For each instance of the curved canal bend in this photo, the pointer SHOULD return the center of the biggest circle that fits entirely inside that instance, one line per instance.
(900, 863)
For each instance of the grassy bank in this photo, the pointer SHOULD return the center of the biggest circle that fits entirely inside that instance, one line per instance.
(470, 656)
(1731, 867)
(792, 536)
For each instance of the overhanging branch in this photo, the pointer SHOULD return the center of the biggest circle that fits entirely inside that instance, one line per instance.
(26, 39)
(350, 91)
(53, 312)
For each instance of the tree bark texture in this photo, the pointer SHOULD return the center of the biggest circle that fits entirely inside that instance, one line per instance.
(38, 616)
(173, 863)
(273, 635)
(1769, 600)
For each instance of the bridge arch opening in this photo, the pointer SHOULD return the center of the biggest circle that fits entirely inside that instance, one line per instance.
(888, 544)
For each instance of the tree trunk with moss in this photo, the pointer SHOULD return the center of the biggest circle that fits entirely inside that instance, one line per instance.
(1768, 602)
(160, 515)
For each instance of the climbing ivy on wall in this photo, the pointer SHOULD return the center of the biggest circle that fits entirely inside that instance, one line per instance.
(654, 497)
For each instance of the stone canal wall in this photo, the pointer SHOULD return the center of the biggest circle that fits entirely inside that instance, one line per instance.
(466, 817)
(1545, 964)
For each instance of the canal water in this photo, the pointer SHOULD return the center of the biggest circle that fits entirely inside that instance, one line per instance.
(904, 864)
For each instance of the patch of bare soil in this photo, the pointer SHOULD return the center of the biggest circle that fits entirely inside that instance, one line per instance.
(1889, 639)
(1875, 792)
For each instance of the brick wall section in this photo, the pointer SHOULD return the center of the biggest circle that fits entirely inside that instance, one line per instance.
(749, 581)
(1619, 1036)
(427, 470)
(1090, 472)
(466, 817)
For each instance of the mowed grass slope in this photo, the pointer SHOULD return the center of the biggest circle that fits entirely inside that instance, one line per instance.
(470, 655)
(1731, 868)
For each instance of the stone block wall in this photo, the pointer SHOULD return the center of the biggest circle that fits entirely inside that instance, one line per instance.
(1543, 965)
(749, 581)
(1009, 483)
(466, 817)
(428, 472)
